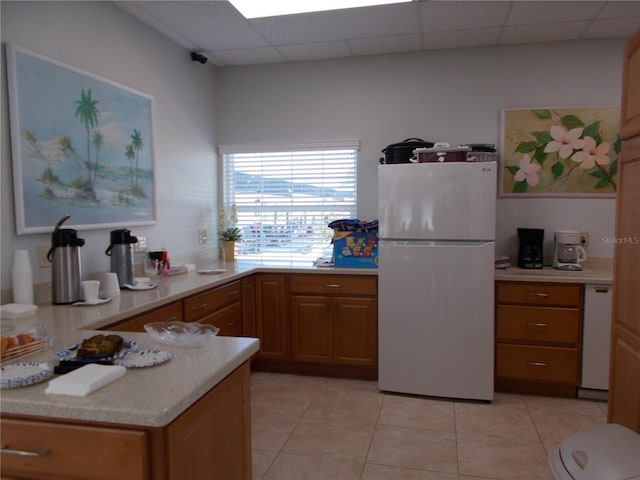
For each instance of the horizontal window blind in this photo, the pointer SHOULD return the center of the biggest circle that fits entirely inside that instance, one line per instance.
(285, 199)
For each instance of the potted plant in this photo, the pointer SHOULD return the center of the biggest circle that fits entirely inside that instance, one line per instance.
(228, 232)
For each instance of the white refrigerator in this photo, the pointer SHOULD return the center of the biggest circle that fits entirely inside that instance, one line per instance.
(435, 278)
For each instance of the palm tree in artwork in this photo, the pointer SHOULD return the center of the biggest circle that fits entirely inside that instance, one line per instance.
(136, 143)
(87, 112)
(98, 142)
(130, 154)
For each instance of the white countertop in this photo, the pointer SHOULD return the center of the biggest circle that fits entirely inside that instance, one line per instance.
(154, 396)
(595, 271)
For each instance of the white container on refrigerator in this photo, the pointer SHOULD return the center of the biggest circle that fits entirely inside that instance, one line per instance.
(596, 337)
(435, 279)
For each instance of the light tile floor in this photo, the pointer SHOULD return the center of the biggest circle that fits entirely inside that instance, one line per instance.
(316, 428)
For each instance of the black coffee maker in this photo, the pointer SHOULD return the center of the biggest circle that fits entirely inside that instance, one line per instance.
(530, 252)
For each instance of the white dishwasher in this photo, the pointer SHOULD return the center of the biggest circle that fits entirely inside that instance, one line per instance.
(596, 339)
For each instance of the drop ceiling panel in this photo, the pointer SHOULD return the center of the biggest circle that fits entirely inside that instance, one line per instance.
(621, 9)
(542, 33)
(339, 24)
(610, 27)
(383, 45)
(453, 15)
(527, 13)
(483, 37)
(315, 51)
(250, 56)
(204, 23)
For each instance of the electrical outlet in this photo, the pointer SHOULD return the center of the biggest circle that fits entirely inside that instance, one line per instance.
(584, 239)
(202, 236)
(141, 245)
(42, 256)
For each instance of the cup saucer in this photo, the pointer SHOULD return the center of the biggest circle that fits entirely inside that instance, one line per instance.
(99, 301)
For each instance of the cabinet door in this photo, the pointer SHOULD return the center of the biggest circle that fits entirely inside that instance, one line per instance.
(311, 329)
(355, 331)
(212, 439)
(271, 316)
(227, 319)
(168, 313)
(624, 389)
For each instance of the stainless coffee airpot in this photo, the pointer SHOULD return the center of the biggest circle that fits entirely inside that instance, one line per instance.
(66, 271)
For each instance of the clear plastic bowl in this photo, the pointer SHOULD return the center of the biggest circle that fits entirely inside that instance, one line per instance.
(181, 334)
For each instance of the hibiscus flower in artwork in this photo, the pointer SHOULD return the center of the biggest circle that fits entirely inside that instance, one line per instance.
(528, 171)
(592, 154)
(564, 141)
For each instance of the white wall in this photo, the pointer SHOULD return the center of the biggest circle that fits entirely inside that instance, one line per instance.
(452, 95)
(100, 38)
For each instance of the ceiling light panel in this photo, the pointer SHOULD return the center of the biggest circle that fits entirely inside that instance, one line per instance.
(273, 8)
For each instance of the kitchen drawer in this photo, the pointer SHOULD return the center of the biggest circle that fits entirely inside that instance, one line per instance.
(227, 319)
(538, 324)
(334, 284)
(526, 362)
(539, 293)
(169, 313)
(203, 304)
(73, 451)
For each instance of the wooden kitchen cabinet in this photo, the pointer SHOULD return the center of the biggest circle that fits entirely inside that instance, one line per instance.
(167, 313)
(211, 439)
(220, 306)
(249, 307)
(271, 317)
(334, 320)
(538, 337)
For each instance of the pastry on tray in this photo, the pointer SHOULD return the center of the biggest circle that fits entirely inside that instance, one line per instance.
(100, 345)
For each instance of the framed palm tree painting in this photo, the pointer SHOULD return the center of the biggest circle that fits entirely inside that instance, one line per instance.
(81, 145)
(560, 151)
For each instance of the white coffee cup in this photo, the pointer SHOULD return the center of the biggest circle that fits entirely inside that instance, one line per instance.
(141, 282)
(111, 286)
(90, 290)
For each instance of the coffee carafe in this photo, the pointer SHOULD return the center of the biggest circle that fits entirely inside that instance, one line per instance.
(122, 256)
(530, 247)
(568, 251)
(66, 271)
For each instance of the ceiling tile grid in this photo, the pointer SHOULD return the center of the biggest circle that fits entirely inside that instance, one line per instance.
(217, 30)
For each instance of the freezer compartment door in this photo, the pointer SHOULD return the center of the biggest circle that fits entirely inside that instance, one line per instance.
(437, 201)
(436, 327)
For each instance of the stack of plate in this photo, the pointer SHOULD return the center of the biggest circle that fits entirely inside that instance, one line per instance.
(502, 261)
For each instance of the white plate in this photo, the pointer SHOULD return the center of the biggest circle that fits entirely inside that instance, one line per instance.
(99, 301)
(144, 358)
(25, 373)
(212, 272)
(141, 287)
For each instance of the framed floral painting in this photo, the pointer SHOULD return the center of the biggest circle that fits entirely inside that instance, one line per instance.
(567, 151)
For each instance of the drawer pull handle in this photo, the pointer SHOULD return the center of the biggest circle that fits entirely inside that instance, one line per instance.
(602, 290)
(22, 453)
(537, 364)
(532, 324)
(172, 318)
(333, 285)
(199, 307)
(235, 292)
(538, 294)
(231, 324)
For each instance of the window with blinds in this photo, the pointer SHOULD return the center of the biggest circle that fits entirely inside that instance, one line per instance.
(286, 199)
